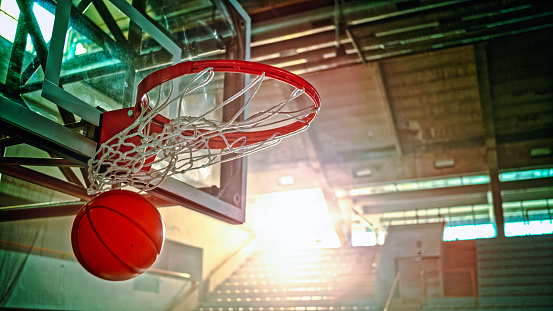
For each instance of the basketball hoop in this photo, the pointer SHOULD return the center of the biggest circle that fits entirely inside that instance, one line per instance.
(140, 146)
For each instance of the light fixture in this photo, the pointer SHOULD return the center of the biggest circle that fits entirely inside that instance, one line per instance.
(362, 172)
(286, 180)
(540, 152)
(444, 163)
(340, 193)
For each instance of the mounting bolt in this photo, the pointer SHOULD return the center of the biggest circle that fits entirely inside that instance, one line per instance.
(236, 198)
(130, 113)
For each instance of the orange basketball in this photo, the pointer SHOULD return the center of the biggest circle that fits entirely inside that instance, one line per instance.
(117, 235)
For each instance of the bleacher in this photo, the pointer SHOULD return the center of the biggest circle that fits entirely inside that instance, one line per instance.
(513, 274)
(320, 279)
(516, 273)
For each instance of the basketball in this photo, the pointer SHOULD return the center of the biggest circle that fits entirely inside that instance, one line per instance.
(117, 235)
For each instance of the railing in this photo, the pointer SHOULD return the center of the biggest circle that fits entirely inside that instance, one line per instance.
(228, 265)
(451, 270)
(376, 259)
(424, 285)
(62, 255)
(181, 299)
(527, 211)
(394, 286)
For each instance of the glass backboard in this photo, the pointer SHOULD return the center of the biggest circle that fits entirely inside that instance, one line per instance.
(65, 63)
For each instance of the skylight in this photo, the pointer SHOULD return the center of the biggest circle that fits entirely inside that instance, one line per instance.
(445, 182)
(9, 16)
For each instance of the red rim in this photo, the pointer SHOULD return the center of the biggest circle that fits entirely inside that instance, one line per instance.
(237, 66)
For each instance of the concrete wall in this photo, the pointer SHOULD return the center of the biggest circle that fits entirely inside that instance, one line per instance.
(53, 283)
(217, 239)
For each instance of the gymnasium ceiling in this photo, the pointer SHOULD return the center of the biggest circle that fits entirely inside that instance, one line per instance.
(411, 91)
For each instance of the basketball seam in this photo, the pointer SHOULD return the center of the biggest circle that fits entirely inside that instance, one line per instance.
(137, 225)
(129, 267)
(150, 239)
(138, 196)
(76, 247)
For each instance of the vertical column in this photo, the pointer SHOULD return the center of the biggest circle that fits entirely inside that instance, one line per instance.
(489, 136)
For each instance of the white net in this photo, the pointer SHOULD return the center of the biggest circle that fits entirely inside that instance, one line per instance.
(183, 144)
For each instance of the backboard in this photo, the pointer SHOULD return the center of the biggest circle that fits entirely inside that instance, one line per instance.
(65, 63)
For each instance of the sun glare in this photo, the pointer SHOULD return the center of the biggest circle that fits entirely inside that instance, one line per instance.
(292, 219)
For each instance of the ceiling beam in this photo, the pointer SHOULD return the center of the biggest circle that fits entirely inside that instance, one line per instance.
(383, 89)
(527, 184)
(339, 20)
(423, 199)
(429, 203)
(532, 194)
(342, 226)
(389, 29)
